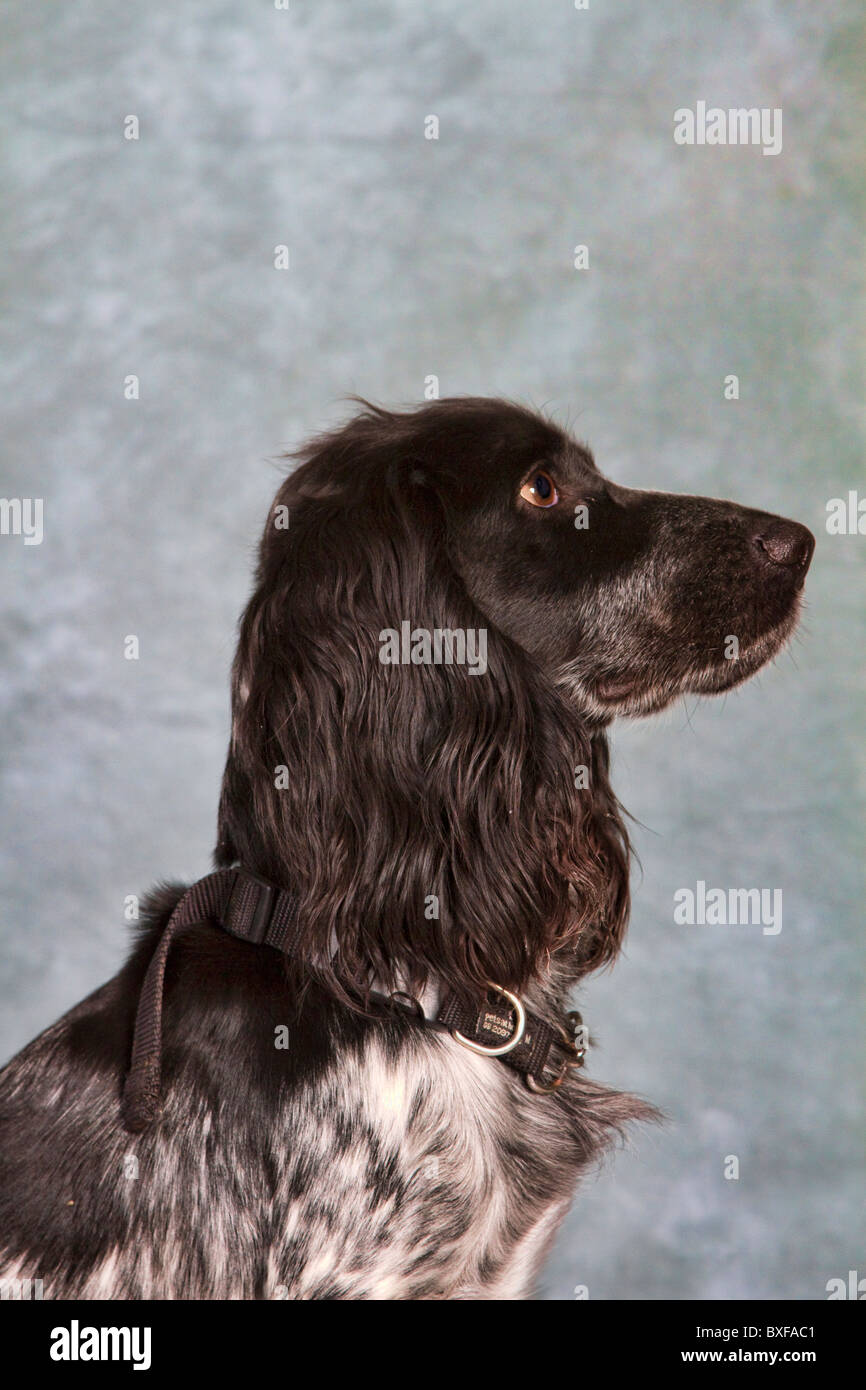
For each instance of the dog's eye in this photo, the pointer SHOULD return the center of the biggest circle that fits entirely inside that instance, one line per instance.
(540, 490)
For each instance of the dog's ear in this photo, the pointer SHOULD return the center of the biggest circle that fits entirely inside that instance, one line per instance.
(432, 815)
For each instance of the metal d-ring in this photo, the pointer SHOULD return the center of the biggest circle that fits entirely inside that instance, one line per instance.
(539, 1088)
(411, 1005)
(519, 1027)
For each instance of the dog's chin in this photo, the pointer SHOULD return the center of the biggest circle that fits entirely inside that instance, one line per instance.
(600, 701)
(640, 693)
(727, 674)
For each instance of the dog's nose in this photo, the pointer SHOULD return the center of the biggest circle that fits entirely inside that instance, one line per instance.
(786, 543)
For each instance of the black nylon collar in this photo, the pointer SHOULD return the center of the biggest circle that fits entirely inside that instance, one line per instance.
(256, 911)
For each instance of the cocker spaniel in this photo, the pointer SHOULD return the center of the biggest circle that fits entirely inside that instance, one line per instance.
(354, 1074)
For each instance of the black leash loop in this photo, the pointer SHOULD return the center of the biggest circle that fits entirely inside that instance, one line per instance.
(244, 905)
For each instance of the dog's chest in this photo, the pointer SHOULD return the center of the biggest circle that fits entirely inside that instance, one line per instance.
(425, 1174)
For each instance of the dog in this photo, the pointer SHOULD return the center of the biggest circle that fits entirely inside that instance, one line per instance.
(441, 826)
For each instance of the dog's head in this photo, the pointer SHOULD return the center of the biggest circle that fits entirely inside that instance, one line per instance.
(450, 604)
(630, 598)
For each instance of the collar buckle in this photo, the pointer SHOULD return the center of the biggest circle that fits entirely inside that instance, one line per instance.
(250, 907)
(573, 1042)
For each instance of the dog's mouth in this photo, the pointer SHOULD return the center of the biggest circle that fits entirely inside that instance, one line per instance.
(615, 689)
(637, 692)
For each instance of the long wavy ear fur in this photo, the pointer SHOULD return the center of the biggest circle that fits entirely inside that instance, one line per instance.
(382, 794)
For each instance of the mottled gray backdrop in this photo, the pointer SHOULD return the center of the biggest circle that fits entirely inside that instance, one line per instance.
(412, 258)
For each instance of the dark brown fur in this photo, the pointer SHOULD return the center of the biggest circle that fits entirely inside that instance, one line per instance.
(374, 1159)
